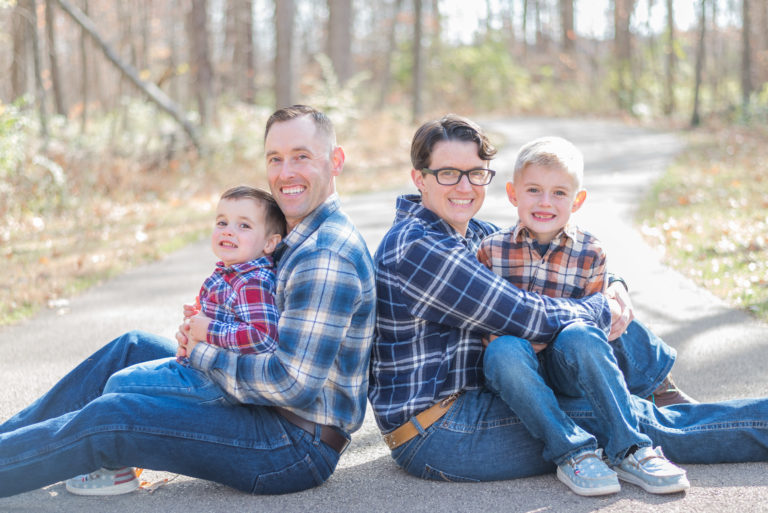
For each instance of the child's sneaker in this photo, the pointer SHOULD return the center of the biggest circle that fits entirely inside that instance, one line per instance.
(104, 482)
(587, 474)
(649, 469)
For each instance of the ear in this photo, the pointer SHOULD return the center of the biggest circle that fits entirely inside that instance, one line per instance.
(271, 243)
(418, 179)
(337, 160)
(579, 200)
(511, 193)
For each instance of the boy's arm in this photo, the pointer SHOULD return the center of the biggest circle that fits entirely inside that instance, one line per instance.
(598, 277)
(256, 318)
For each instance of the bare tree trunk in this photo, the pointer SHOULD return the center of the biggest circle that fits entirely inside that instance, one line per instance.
(671, 61)
(202, 70)
(622, 14)
(386, 74)
(285, 84)
(746, 56)
(84, 73)
(39, 88)
(339, 47)
(568, 34)
(19, 64)
(155, 94)
(508, 17)
(418, 65)
(540, 43)
(525, 28)
(50, 22)
(696, 117)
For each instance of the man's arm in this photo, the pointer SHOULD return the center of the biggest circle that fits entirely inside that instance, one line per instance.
(443, 282)
(320, 298)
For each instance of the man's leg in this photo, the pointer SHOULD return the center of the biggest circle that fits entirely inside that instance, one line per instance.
(725, 432)
(270, 454)
(86, 381)
(644, 359)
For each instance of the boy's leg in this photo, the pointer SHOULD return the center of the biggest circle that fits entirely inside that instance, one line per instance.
(86, 381)
(511, 370)
(580, 363)
(271, 455)
(168, 378)
(644, 359)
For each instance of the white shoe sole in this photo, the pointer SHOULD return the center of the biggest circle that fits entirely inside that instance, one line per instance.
(105, 490)
(587, 492)
(680, 486)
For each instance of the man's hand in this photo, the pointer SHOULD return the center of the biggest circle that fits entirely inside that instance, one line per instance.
(622, 311)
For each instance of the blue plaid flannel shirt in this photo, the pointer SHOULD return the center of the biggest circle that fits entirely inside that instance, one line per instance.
(436, 302)
(326, 298)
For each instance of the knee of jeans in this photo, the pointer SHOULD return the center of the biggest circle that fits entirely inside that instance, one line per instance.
(580, 340)
(506, 352)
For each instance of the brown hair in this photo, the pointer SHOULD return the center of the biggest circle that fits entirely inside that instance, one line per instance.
(321, 121)
(449, 128)
(274, 220)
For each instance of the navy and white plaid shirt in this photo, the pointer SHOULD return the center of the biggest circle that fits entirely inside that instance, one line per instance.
(326, 298)
(436, 302)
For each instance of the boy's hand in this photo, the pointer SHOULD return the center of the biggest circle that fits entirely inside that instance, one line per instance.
(622, 311)
(192, 310)
(198, 327)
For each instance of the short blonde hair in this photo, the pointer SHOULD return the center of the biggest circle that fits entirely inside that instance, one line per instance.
(551, 152)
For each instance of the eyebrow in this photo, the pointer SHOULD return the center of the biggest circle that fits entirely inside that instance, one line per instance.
(292, 150)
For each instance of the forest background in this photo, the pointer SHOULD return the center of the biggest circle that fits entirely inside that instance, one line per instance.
(121, 122)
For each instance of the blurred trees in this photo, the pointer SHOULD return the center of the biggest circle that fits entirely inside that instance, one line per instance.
(416, 56)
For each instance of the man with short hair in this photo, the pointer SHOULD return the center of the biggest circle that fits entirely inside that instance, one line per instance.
(312, 388)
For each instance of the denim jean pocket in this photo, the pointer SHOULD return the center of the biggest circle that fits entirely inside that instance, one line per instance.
(299, 476)
(434, 474)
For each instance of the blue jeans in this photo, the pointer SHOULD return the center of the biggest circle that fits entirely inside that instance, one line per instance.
(76, 428)
(579, 363)
(168, 378)
(481, 439)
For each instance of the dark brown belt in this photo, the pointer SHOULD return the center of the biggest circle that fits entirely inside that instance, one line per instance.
(328, 434)
(425, 419)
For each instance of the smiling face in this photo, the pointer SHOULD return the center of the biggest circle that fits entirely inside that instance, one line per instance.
(301, 166)
(240, 232)
(455, 204)
(545, 197)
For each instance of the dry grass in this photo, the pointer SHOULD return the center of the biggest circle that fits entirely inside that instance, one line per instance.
(710, 214)
(118, 211)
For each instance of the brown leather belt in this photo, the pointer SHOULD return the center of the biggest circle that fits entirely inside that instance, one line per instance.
(328, 434)
(407, 431)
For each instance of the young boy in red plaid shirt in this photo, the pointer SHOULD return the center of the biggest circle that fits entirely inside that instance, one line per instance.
(545, 254)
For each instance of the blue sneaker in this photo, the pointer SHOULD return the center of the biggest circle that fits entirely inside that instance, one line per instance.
(587, 474)
(649, 469)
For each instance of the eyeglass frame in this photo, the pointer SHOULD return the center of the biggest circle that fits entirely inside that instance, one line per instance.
(462, 174)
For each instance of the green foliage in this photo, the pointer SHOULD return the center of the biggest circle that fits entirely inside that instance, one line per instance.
(15, 127)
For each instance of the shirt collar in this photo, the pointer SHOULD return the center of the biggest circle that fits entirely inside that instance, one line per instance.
(521, 233)
(308, 225)
(264, 261)
(410, 206)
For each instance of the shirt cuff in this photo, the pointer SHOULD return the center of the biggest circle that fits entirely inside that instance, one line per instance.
(203, 356)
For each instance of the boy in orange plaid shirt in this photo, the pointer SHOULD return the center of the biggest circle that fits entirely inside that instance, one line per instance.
(545, 254)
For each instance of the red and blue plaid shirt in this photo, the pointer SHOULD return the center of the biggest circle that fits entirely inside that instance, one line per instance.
(573, 266)
(240, 300)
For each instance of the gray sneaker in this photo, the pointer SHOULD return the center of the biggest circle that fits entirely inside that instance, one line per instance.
(587, 474)
(104, 482)
(649, 469)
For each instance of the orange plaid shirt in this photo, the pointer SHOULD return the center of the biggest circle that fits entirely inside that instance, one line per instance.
(572, 267)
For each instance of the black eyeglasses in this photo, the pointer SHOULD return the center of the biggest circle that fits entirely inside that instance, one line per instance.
(452, 176)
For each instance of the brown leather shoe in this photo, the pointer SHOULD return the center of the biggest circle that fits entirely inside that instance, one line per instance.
(667, 393)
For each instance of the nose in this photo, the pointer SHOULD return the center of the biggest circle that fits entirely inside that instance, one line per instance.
(545, 200)
(464, 184)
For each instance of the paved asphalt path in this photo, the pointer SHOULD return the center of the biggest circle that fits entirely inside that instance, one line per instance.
(722, 354)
